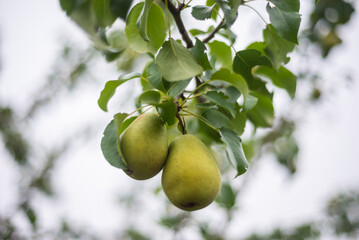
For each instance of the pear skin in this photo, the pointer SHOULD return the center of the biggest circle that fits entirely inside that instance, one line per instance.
(144, 146)
(191, 179)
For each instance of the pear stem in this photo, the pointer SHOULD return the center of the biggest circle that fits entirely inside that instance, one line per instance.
(194, 91)
(138, 109)
(180, 121)
(202, 120)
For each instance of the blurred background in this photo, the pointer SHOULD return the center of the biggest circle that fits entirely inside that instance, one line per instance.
(303, 182)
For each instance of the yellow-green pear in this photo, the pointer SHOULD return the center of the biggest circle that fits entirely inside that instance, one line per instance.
(191, 179)
(144, 146)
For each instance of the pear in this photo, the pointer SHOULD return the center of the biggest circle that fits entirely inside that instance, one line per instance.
(144, 146)
(191, 179)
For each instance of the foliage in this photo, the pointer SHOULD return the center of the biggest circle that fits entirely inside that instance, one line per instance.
(329, 14)
(343, 213)
(341, 216)
(34, 168)
(208, 62)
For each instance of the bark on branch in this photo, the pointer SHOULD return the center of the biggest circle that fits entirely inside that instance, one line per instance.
(176, 13)
(211, 35)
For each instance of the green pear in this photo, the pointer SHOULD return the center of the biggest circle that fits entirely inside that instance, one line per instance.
(144, 146)
(191, 179)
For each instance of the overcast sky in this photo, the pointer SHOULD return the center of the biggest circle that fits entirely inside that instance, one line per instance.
(328, 137)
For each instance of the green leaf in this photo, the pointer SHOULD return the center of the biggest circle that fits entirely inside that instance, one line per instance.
(155, 77)
(103, 14)
(230, 14)
(145, 84)
(287, 5)
(210, 2)
(156, 29)
(239, 122)
(250, 148)
(262, 114)
(150, 97)
(226, 197)
(215, 12)
(109, 145)
(277, 47)
(227, 33)
(101, 34)
(257, 85)
(232, 78)
(111, 56)
(251, 101)
(234, 149)
(285, 18)
(176, 63)
(206, 106)
(282, 78)
(202, 12)
(174, 221)
(143, 20)
(235, 3)
(222, 52)
(316, 1)
(134, 234)
(245, 60)
(233, 94)
(127, 123)
(286, 149)
(68, 5)
(110, 89)
(216, 119)
(167, 111)
(118, 118)
(259, 46)
(198, 52)
(177, 88)
(119, 8)
(215, 9)
(84, 17)
(117, 39)
(194, 32)
(221, 100)
(31, 216)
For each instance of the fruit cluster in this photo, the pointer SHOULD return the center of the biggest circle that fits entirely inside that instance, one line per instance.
(190, 179)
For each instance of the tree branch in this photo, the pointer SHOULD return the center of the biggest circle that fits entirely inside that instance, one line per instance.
(176, 13)
(211, 35)
(198, 83)
(180, 122)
